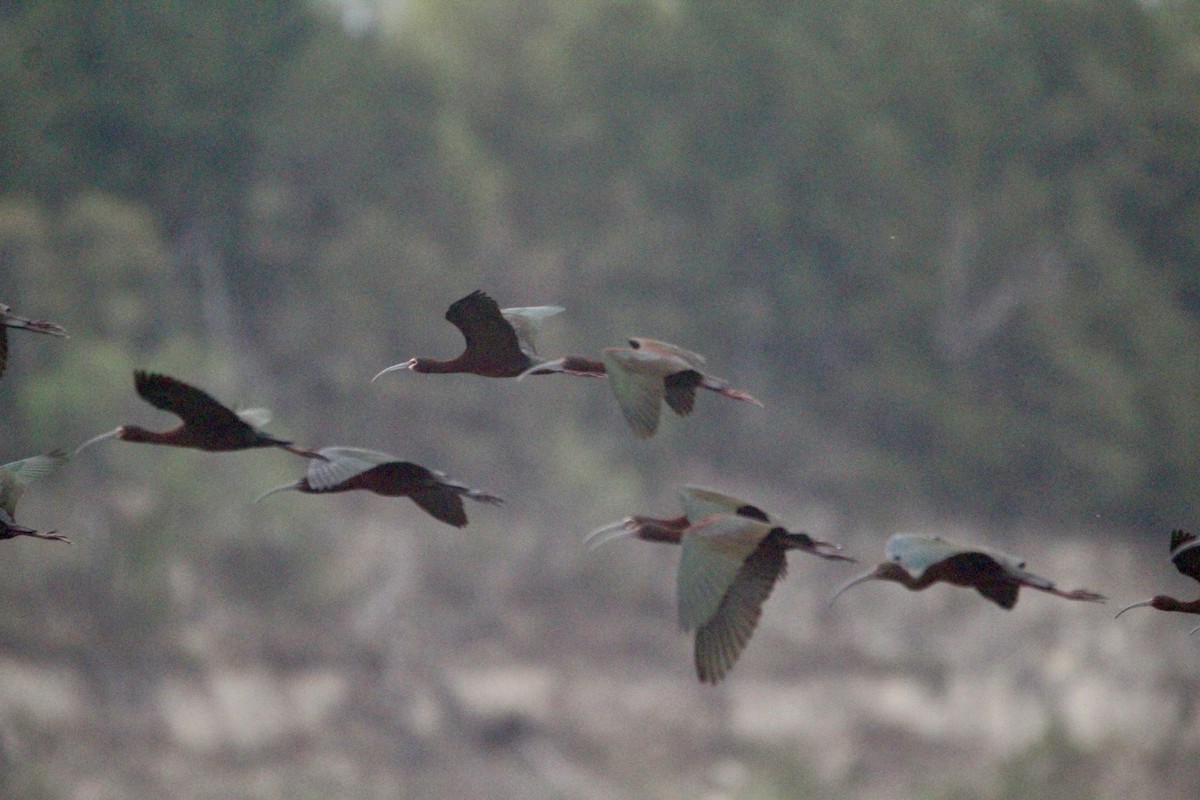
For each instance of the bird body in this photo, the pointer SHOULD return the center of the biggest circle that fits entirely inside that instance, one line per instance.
(731, 557)
(918, 562)
(500, 343)
(11, 320)
(205, 423)
(15, 478)
(344, 469)
(1185, 555)
(643, 376)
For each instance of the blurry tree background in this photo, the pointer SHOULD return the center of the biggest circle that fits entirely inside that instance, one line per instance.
(954, 248)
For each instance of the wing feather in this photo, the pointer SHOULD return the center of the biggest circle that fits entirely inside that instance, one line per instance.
(639, 395)
(713, 553)
(720, 640)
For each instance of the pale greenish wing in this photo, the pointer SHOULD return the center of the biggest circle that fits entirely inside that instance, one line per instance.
(16, 476)
(343, 464)
(713, 553)
(526, 320)
(699, 502)
(918, 553)
(639, 394)
(719, 641)
(692, 360)
(255, 417)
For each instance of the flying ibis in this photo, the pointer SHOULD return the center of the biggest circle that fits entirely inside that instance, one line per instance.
(500, 342)
(918, 562)
(645, 374)
(205, 423)
(731, 558)
(343, 469)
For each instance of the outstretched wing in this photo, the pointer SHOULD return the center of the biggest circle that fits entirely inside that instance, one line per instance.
(341, 465)
(195, 407)
(720, 641)
(484, 327)
(526, 321)
(1185, 553)
(639, 394)
(918, 553)
(699, 502)
(713, 553)
(16, 476)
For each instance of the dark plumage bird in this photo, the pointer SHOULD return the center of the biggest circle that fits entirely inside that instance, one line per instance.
(1185, 555)
(732, 556)
(646, 374)
(11, 320)
(500, 342)
(918, 562)
(14, 480)
(344, 469)
(205, 423)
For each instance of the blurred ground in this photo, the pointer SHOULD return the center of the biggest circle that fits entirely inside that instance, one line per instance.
(422, 675)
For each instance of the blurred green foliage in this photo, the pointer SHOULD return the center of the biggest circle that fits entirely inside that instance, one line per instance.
(953, 249)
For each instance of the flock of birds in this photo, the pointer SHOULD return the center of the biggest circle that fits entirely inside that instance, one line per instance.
(732, 552)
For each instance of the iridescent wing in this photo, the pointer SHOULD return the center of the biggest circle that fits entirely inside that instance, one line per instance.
(487, 332)
(1185, 553)
(194, 406)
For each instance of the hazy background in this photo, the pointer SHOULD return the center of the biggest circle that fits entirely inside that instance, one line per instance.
(952, 246)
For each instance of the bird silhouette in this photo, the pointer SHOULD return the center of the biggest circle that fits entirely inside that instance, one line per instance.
(644, 375)
(1185, 555)
(918, 562)
(731, 558)
(344, 469)
(500, 342)
(11, 320)
(205, 423)
(15, 478)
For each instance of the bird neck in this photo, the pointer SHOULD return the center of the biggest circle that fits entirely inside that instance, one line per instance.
(432, 365)
(669, 531)
(1164, 603)
(578, 365)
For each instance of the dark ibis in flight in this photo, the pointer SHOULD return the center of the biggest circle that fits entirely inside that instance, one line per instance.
(644, 375)
(500, 342)
(343, 469)
(1185, 555)
(731, 558)
(11, 320)
(918, 562)
(205, 423)
(14, 480)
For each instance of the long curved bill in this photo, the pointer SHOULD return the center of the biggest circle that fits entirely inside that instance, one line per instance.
(1142, 604)
(110, 435)
(866, 576)
(610, 533)
(1193, 630)
(828, 550)
(394, 368)
(285, 487)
